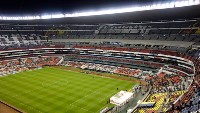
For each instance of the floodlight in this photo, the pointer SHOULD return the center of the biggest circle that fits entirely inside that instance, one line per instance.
(58, 16)
(46, 16)
(181, 3)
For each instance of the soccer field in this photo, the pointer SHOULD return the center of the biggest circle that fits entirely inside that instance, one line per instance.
(53, 90)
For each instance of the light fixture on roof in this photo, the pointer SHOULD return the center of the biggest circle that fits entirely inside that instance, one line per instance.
(58, 16)
(46, 17)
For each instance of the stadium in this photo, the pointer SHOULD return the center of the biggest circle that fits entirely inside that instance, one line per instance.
(142, 58)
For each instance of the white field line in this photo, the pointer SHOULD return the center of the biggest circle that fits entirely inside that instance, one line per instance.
(81, 108)
(39, 88)
(30, 107)
(95, 91)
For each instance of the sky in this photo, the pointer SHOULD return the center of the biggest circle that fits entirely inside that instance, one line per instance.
(15, 7)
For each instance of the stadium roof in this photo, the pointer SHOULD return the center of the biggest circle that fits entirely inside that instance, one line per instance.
(66, 6)
(151, 15)
(153, 11)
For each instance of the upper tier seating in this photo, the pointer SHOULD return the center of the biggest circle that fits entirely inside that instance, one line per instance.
(17, 41)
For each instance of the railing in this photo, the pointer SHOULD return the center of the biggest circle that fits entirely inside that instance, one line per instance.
(134, 110)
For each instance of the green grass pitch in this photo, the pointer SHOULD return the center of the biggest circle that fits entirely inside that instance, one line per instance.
(53, 90)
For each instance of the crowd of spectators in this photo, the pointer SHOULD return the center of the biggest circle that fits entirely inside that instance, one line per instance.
(129, 72)
(164, 82)
(106, 68)
(17, 65)
(193, 105)
(169, 83)
(189, 101)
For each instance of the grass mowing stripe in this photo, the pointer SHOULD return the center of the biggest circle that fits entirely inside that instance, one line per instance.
(51, 90)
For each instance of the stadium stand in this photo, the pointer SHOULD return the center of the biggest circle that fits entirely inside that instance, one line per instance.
(163, 54)
(17, 65)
